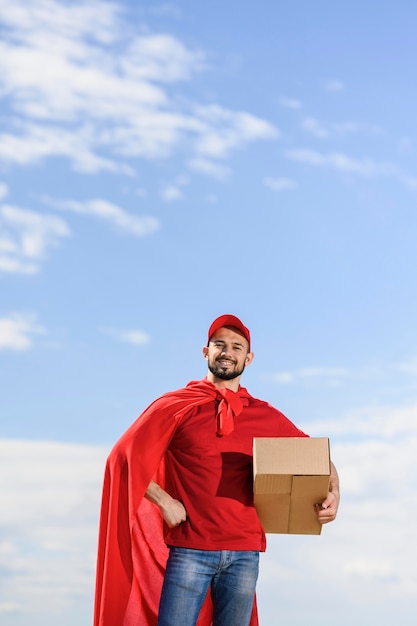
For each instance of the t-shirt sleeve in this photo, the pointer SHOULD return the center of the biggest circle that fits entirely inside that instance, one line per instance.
(285, 427)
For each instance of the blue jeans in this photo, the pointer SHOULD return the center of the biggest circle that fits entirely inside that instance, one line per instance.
(230, 575)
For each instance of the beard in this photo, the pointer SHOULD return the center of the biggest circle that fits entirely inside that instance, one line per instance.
(224, 373)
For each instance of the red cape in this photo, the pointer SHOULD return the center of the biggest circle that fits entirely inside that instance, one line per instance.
(131, 550)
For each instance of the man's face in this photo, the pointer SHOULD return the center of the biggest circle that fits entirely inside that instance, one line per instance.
(227, 354)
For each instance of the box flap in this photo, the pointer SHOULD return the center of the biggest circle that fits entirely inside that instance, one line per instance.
(291, 455)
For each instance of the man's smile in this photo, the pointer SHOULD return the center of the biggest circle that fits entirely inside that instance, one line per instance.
(225, 362)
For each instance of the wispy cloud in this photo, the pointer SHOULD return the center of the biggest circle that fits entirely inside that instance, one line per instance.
(33, 142)
(290, 103)
(280, 183)
(26, 237)
(70, 95)
(364, 166)
(314, 127)
(408, 181)
(316, 375)
(133, 336)
(210, 168)
(410, 367)
(96, 18)
(17, 331)
(137, 225)
(4, 190)
(324, 130)
(222, 131)
(165, 9)
(172, 193)
(334, 85)
(391, 379)
(339, 161)
(355, 127)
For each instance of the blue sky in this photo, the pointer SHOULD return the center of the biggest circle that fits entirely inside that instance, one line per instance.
(164, 163)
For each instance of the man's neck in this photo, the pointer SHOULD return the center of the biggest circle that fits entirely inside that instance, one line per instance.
(233, 384)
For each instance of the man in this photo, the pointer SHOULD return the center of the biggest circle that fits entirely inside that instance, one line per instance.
(179, 535)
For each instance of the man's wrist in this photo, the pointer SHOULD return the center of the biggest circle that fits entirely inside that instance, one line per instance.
(157, 495)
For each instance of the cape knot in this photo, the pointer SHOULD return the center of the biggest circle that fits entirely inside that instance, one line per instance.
(230, 406)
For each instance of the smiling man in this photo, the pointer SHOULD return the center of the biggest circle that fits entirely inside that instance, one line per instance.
(179, 534)
(227, 353)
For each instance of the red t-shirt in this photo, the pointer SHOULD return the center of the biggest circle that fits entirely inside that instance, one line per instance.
(212, 476)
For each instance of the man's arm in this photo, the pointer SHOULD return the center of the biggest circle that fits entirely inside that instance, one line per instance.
(327, 510)
(173, 511)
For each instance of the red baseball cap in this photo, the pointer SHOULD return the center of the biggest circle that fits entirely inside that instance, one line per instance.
(229, 320)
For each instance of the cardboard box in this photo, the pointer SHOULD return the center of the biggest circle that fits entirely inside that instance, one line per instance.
(291, 475)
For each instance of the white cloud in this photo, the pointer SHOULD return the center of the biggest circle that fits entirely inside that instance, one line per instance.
(324, 130)
(162, 58)
(133, 336)
(311, 375)
(48, 545)
(95, 18)
(382, 382)
(171, 193)
(137, 225)
(222, 130)
(82, 83)
(284, 378)
(334, 85)
(290, 103)
(4, 190)
(314, 127)
(280, 183)
(48, 522)
(209, 168)
(166, 9)
(174, 191)
(26, 237)
(33, 142)
(343, 128)
(410, 367)
(319, 372)
(376, 421)
(409, 181)
(378, 486)
(17, 331)
(340, 162)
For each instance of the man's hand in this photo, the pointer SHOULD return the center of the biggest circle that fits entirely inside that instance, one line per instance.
(326, 511)
(173, 511)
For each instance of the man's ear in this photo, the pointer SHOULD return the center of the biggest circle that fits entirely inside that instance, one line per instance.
(205, 352)
(249, 358)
